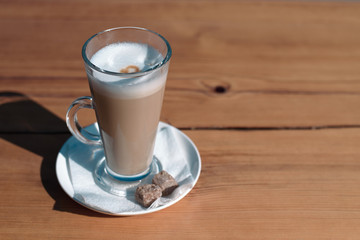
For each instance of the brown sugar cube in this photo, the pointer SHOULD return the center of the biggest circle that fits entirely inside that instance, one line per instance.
(166, 182)
(147, 194)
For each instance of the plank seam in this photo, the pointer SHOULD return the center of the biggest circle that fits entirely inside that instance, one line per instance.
(284, 128)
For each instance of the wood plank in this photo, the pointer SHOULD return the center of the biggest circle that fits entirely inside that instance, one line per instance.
(308, 44)
(253, 185)
(283, 64)
(189, 109)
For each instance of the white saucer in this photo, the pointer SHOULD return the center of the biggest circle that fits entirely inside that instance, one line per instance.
(76, 166)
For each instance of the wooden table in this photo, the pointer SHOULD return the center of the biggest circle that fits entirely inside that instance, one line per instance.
(268, 91)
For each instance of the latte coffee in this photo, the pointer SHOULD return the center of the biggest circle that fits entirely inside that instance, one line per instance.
(127, 69)
(128, 109)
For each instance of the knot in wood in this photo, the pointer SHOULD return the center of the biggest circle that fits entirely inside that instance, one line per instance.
(220, 89)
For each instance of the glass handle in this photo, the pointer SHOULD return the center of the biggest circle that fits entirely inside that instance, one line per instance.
(72, 120)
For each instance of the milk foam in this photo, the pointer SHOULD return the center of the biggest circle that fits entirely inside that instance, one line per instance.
(117, 56)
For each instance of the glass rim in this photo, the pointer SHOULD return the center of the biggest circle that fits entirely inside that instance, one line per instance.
(157, 66)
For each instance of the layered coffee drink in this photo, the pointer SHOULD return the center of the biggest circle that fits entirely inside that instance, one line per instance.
(128, 105)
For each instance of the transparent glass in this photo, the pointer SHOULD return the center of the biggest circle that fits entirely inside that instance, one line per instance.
(127, 105)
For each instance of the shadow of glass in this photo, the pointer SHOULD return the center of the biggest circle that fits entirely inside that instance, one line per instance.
(28, 125)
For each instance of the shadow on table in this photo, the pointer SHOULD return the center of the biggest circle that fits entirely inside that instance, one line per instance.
(28, 125)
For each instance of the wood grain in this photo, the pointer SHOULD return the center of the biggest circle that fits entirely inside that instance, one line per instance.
(253, 185)
(283, 64)
(267, 90)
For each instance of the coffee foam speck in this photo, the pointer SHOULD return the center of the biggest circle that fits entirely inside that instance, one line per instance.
(130, 69)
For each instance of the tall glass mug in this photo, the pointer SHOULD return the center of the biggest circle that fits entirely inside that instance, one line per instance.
(127, 69)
